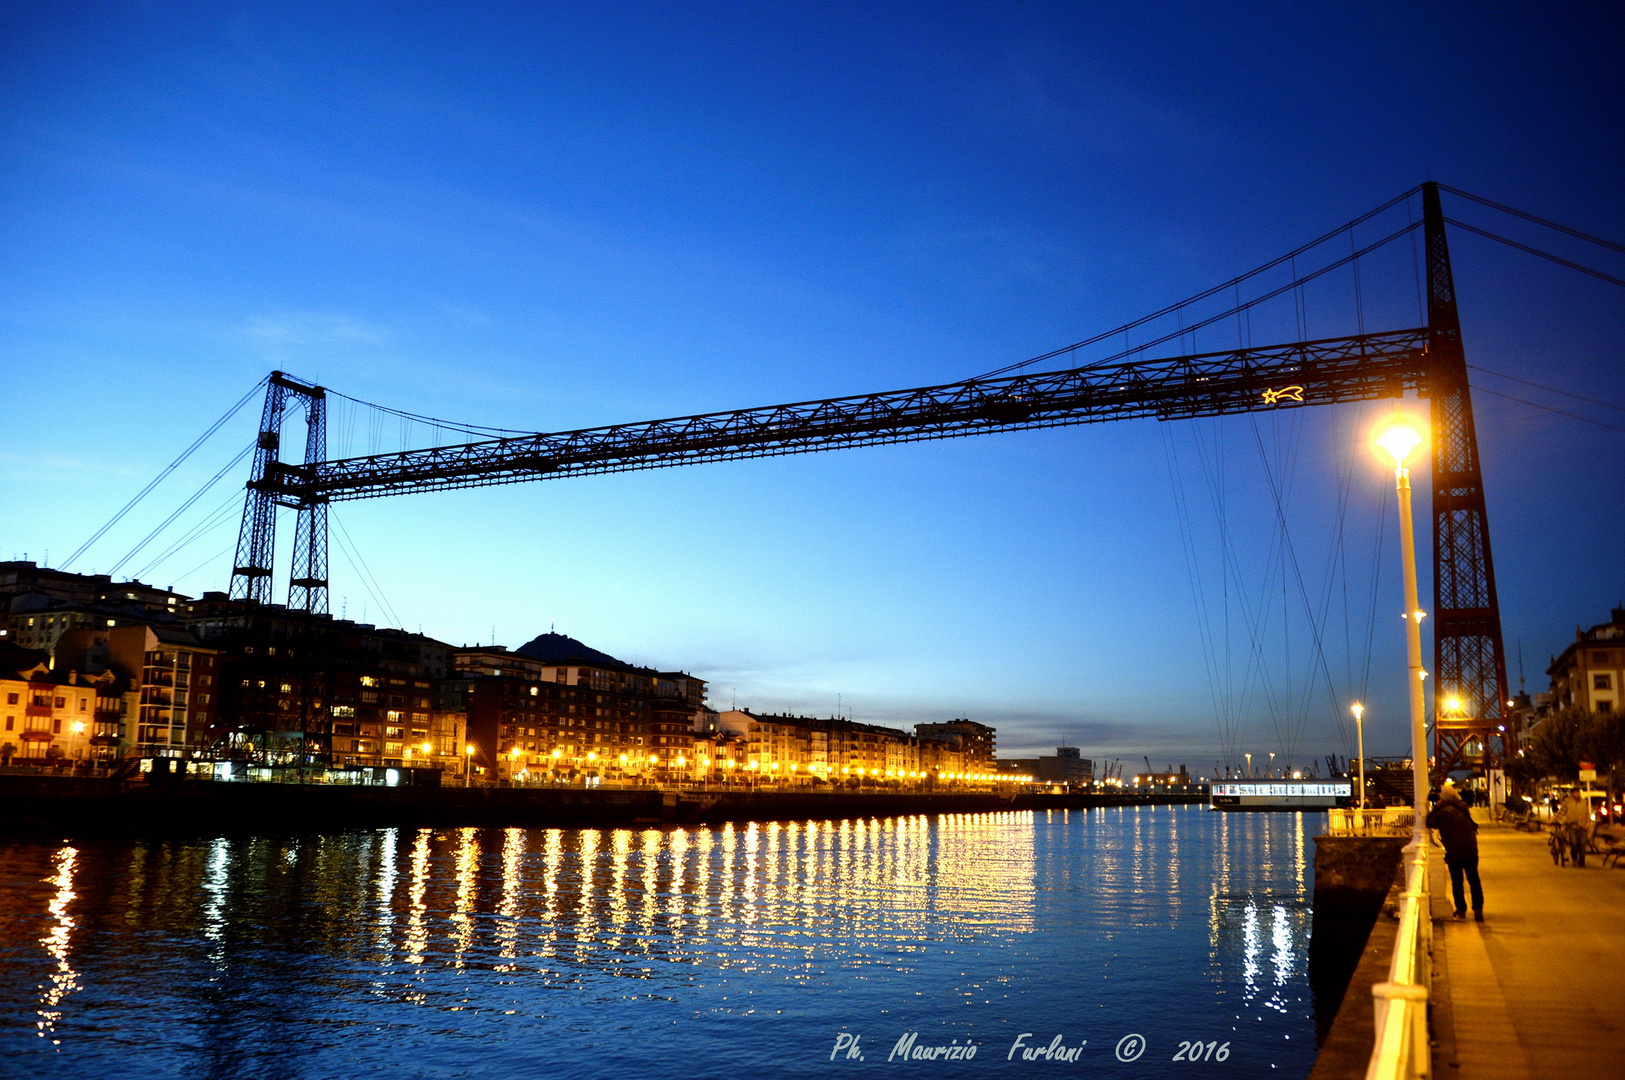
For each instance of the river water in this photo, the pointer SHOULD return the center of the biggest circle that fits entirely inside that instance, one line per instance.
(702, 952)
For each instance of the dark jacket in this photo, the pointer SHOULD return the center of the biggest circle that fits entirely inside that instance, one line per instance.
(1457, 830)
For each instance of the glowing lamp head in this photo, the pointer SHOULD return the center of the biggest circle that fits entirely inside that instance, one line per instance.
(1399, 441)
(1357, 709)
(1453, 704)
(469, 750)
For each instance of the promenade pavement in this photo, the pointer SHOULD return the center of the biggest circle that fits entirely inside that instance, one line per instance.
(1538, 989)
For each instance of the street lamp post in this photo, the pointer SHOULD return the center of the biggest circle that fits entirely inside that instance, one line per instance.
(1359, 748)
(1400, 441)
(1249, 766)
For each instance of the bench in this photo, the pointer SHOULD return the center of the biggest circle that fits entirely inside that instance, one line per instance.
(1608, 842)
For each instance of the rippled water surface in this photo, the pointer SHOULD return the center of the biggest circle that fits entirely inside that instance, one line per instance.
(709, 952)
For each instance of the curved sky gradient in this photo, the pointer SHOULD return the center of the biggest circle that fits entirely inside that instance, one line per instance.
(542, 217)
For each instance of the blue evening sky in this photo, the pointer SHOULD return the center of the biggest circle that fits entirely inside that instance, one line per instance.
(543, 217)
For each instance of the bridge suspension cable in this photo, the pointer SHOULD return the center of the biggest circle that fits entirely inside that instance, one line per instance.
(1505, 209)
(185, 506)
(1233, 284)
(1570, 263)
(171, 467)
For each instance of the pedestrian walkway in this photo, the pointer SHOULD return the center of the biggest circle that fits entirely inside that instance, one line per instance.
(1538, 989)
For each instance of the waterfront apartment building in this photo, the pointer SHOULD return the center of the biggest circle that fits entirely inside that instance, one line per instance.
(800, 750)
(977, 743)
(555, 709)
(940, 758)
(297, 688)
(38, 605)
(59, 717)
(1590, 673)
(778, 748)
(173, 678)
(19, 577)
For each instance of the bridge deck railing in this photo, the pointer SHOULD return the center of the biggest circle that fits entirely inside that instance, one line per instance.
(1372, 821)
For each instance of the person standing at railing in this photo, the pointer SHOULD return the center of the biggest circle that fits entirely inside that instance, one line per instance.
(1459, 834)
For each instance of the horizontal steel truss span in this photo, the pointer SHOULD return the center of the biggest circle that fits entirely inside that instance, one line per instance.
(1210, 384)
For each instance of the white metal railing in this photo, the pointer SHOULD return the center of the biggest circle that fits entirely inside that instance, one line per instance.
(1402, 1048)
(1372, 821)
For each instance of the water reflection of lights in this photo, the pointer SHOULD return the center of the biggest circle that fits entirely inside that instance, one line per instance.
(620, 847)
(513, 854)
(552, 859)
(214, 890)
(383, 906)
(658, 871)
(585, 910)
(971, 909)
(762, 897)
(1281, 936)
(750, 871)
(1249, 952)
(417, 928)
(58, 944)
(462, 916)
(1271, 926)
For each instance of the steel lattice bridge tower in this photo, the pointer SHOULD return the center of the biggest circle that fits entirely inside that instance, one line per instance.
(1469, 658)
